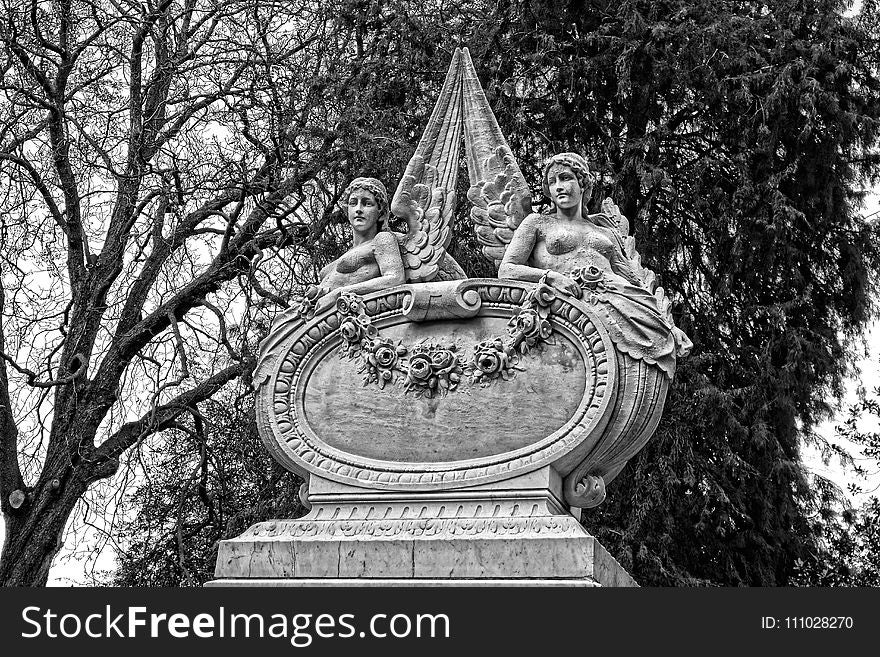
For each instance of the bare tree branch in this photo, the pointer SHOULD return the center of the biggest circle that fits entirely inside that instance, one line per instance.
(165, 414)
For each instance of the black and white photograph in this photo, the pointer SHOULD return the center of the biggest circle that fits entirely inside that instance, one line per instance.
(450, 309)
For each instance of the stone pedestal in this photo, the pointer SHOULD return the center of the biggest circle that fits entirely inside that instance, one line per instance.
(440, 446)
(514, 532)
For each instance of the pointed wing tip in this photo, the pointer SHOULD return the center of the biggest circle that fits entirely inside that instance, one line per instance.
(466, 57)
(455, 62)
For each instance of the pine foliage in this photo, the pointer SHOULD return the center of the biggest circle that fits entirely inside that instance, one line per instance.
(733, 135)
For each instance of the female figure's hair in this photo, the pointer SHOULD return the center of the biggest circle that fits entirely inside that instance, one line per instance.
(581, 171)
(377, 189)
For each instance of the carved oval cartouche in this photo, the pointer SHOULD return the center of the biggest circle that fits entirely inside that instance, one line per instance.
(471, 422)
(449, 392)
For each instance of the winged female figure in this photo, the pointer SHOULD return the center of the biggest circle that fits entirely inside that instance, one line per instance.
(373, 262)
(425, 198)
(574, 251)
(378, 258)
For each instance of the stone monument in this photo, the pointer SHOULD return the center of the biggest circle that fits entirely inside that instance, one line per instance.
(450, 430)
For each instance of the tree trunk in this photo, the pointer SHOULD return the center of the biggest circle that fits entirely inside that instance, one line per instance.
(34, 534)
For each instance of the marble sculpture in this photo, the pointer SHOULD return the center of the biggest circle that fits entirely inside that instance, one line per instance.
(434, 414)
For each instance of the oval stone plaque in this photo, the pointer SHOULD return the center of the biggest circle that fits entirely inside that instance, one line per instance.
(470, 422)
(319, 411)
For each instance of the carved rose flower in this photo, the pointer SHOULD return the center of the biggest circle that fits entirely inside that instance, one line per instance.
(528, 322)
(590, 277)
(349, 303)
(488, 361)
(304, 307)
(442, 359)
(544, 294)
(364, 320)
(386, 356)
(351, 331)
(420, 368)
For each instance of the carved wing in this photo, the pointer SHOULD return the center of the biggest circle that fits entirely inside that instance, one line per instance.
(425, 196)
(612, 218)
(500, 197)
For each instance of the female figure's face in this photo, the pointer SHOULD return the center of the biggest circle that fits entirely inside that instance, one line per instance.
(363, 210)
(565, 190)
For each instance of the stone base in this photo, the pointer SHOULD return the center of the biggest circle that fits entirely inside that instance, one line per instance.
(412, 583)
(513, 533)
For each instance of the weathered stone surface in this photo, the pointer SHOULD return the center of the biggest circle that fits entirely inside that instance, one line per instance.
(532, 380)
(458, 551)
(490, 532)
(467, 423)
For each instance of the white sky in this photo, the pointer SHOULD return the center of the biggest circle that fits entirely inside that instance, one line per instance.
(869, 378)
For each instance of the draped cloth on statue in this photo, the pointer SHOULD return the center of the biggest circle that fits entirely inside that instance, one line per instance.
(635, 323)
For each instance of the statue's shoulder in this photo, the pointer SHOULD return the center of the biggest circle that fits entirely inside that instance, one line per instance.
(386, 238)
(535, 220)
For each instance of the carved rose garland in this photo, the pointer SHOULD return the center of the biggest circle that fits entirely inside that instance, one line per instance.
(428, 369)
(304, 306)
(532, 324)
(432, 369)
(492, 359)
(498, 357)
(379, 357)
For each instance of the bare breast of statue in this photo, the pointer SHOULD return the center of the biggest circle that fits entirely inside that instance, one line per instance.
(356, 265)
(564, 248)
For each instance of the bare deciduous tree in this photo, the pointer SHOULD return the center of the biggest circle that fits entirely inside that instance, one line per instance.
(152, 156)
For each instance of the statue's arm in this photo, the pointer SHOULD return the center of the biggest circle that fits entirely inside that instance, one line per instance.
(516, 256)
